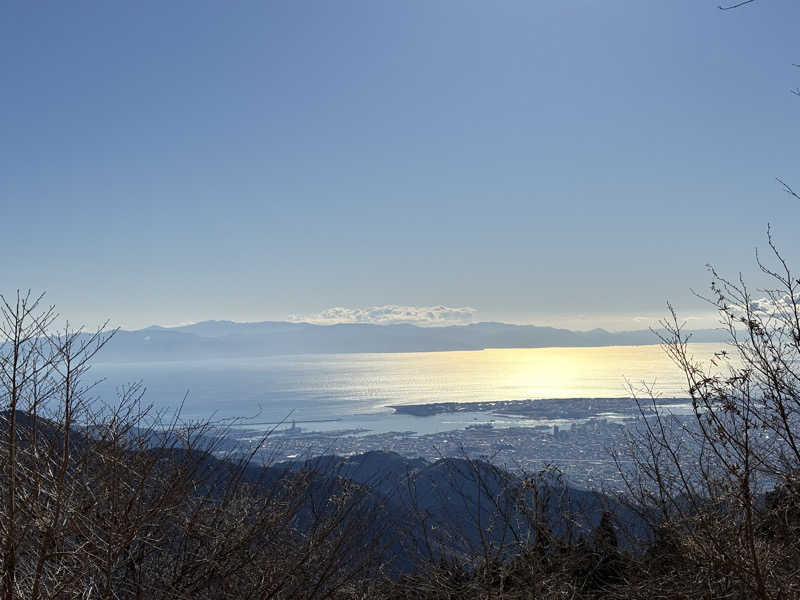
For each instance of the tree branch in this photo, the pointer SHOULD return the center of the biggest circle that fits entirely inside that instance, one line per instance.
(737, 5)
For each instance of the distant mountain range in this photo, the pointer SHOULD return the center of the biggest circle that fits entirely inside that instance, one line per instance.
(228, 339)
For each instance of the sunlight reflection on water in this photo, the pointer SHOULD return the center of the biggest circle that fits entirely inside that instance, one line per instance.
(361, 387)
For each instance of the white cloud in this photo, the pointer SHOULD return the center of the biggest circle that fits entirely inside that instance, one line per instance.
(425, 316)
(181, 324)
(776, 306)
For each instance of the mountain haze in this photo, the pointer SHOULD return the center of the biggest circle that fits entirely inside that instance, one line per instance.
(228, 339)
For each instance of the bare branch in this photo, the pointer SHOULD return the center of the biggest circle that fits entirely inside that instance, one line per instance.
(737, 5)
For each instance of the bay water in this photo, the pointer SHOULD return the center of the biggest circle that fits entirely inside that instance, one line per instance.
(320, 392)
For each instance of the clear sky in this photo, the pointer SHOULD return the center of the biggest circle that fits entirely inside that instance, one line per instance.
(571, 163)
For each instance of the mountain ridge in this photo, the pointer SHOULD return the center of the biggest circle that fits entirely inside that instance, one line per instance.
(229, 339)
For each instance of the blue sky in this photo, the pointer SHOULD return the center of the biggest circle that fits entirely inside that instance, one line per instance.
(571, 163)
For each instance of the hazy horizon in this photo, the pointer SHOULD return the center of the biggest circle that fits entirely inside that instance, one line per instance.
(565, 164)
(582, 323)
(378, 299)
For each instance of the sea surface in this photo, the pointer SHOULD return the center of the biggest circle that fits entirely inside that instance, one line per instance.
(324, 392)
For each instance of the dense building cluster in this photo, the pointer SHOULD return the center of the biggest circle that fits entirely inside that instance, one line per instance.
(580, 449)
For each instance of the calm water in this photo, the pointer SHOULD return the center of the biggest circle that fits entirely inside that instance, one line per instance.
(356, 389)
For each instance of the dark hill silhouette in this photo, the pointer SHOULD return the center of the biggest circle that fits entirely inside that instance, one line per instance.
(461, 503)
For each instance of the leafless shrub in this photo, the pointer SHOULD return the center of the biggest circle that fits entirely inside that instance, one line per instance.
(721, 490)
(115, 502)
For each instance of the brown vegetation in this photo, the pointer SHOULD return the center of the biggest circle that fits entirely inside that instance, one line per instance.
(106, 502)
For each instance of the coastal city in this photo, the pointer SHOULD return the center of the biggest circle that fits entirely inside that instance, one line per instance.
(578, 441)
